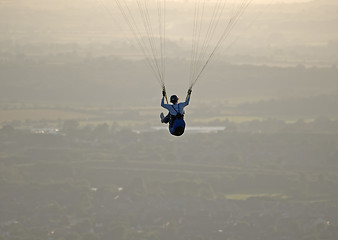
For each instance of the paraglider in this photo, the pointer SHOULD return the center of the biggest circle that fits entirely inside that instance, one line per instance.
(175, 117)
(212, 23)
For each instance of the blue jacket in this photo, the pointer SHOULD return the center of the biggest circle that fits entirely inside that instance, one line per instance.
(178, 107)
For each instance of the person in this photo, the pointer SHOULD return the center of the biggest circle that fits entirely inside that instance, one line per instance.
(176, 110)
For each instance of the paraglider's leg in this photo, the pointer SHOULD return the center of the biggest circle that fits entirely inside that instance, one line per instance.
(171, 121)
(165, 119)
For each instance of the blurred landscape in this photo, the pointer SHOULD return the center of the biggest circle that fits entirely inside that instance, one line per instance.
(83, 154)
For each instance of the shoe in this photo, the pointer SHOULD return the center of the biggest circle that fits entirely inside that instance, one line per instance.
(162, 117)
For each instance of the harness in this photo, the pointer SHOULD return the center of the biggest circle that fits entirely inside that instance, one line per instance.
(177, 116)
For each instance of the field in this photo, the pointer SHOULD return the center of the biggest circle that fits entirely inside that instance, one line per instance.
(101, 181)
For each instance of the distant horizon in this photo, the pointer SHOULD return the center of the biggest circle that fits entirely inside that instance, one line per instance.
(273, 1)
(280, 1)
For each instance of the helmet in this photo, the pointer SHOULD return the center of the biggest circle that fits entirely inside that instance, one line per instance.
(173, 99)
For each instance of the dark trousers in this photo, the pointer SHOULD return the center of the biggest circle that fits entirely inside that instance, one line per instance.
(167, 118)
